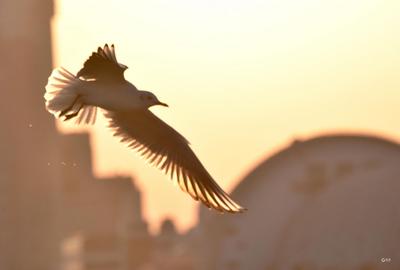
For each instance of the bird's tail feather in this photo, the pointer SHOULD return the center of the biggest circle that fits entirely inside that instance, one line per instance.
(62, 98)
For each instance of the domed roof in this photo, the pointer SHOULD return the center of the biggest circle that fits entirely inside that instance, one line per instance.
(299, 145)
(331, 202)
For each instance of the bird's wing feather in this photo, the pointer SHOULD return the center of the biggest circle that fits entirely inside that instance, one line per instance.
(103, 65)
(168, 150)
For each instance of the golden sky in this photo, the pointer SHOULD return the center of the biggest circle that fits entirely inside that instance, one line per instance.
(242, 78)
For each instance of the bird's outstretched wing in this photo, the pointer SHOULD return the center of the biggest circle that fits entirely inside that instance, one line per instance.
(165, 148)
(103, 66)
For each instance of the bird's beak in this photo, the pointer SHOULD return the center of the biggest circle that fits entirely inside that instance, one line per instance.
(162, 104)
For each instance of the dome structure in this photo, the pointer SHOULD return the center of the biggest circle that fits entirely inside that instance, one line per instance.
(331, 202)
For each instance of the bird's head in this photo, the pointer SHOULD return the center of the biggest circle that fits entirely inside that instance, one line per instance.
(149, 99)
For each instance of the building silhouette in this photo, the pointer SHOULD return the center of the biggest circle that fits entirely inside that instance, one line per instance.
(330, 202)
(28, 201)
(101, 220)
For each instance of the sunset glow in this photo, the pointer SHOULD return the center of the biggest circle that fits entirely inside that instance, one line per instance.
(242, 79)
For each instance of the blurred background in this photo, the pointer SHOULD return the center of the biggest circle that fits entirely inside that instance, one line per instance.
(291, 105)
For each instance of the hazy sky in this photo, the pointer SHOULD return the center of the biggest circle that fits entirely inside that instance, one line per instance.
(242, 78)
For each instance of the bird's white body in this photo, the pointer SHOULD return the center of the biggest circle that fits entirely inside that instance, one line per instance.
(110, 96)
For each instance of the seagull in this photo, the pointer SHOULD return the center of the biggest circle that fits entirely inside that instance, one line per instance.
(101, 84)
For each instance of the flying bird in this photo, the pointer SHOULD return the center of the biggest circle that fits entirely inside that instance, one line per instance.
(101, 84)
